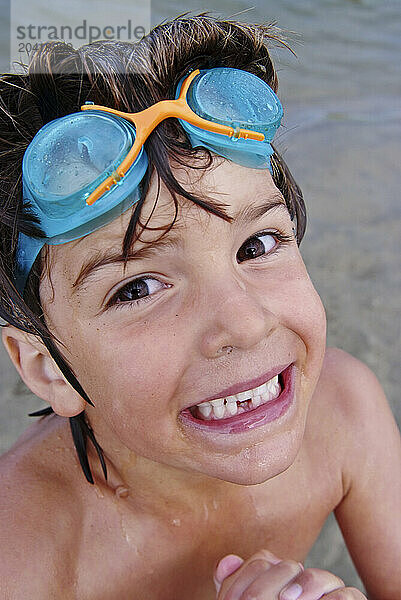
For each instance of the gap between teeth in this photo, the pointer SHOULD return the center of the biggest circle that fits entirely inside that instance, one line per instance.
(221, 408)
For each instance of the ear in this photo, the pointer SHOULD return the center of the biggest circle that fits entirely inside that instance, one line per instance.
(40, 373)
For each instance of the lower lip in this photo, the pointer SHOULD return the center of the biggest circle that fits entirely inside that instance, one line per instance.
(252, 418)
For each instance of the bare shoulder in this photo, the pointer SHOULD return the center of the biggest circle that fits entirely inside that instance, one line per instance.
(346, 375)
(347, 387)
(348, 412)
(366, 438)
(39, 515)
(352, 389)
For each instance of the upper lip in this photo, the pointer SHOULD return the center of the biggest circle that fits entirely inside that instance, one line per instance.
(244, 386)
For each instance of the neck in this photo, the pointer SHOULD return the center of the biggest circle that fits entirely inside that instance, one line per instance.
(151, 486)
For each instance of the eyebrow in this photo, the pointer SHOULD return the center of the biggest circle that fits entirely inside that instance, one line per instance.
(251, 213)
(170, 241)
(106, 257)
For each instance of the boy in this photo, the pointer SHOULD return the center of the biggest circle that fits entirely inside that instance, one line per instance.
(187, 347)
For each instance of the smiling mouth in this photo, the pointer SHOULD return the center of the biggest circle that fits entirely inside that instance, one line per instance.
(247, 401)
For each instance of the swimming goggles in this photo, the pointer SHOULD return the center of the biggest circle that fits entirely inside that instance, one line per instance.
(83, 170)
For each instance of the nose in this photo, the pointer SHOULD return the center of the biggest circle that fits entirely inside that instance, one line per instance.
(240, 320)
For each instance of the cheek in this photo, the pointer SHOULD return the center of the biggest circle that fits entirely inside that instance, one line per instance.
(307, 318)
(291, 296)
(299, 308)
(138, 367)
(306, 314)
(132, 377)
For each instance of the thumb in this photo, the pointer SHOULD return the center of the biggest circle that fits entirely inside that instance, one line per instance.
(225, 567)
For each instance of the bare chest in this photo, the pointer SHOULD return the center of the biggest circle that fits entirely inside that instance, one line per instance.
(173, 557)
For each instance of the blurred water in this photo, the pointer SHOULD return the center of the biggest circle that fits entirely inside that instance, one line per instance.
(345, 48)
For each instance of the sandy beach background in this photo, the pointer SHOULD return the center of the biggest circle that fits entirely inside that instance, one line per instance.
(341, 136)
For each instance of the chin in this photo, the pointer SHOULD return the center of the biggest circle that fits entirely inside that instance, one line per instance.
(258, 464)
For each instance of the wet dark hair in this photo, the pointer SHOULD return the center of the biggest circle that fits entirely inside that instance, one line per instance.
(128, 77)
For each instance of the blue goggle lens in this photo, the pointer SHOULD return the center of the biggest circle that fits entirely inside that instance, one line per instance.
(236, 98)
(69, 157)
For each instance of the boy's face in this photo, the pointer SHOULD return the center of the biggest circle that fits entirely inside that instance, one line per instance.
(150, 341)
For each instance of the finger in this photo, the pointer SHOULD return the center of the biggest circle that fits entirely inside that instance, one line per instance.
(233, 587)
(225, 567)
(235, 584)
(312, 584)
(268, 585)
(348, 593)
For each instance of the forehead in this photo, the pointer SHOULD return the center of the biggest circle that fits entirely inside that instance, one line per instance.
(232, 186)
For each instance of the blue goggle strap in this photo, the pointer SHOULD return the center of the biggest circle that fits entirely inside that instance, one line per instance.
(27, 252)
(248, 153)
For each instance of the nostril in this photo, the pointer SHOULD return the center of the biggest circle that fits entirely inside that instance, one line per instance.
(227, 349)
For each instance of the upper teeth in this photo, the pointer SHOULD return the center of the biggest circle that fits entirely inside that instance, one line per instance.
(224, 407)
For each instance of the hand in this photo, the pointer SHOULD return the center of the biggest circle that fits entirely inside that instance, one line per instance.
(266, 577)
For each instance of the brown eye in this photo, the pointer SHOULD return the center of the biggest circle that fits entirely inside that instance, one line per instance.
(137, 289)
(256, 246)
